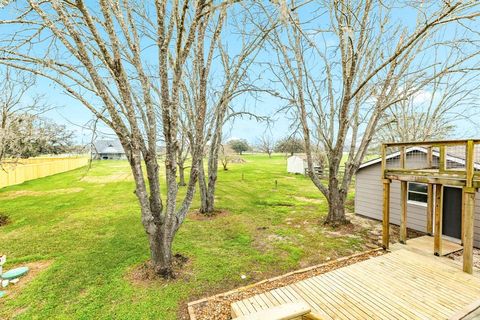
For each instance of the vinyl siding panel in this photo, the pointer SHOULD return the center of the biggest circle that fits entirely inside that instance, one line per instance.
(369, 202)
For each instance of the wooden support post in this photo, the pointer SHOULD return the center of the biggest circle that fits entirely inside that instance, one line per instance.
(403, 213)
(386, 214)
(462, 236)
(468, 207)
(430, 201)
(468, 222)
(384, 160)
(437, 241)
(441, 160)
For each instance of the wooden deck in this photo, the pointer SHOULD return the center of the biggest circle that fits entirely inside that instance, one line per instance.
(402, 284)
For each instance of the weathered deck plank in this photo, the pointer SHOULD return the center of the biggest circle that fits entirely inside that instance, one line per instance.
(399, 285)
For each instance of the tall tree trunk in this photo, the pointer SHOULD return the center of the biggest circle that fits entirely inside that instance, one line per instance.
(337, 194)
(203, 188)
(161, 253)
(159, 236)
(207, 195)
(336, 207)
(212, 181)
(181, 175)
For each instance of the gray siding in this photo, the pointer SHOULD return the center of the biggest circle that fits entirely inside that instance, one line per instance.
(369, 202)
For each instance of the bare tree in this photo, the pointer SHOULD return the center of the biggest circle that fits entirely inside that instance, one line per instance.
(19, 110)
(216, 89)
(226, 155)
(434, 112)
(342, 72)
(290, 145)
(125, 62)
(266, 144)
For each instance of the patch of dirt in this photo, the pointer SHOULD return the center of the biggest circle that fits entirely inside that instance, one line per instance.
(238, 160)
(218, 307)
(35, 268)
(31, 193)
(4, 219)
(371, 231)
(107, 179)
(197, 216)
(310, 200)
(144, 274)
(458, 256)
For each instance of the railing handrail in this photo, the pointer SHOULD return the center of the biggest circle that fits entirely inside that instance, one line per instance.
(433, 143)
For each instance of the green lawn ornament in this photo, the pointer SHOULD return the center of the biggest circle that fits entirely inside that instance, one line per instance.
(11, 276)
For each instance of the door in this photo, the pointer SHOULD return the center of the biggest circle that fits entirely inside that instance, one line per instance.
(452, 212)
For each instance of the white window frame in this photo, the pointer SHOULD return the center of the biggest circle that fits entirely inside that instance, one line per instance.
(417, 203)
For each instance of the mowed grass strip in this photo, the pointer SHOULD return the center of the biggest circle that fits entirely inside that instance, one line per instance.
(93, 237)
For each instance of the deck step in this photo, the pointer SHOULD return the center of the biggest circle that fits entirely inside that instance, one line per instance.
(285, 311)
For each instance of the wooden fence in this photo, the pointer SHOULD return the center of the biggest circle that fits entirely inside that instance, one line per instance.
(30, 169)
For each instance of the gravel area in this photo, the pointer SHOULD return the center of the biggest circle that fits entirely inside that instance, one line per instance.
(458, 256)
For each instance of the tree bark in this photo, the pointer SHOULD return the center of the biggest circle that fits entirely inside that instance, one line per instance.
(203, 189)
(336, 207)
(161, 253)
(181, 175)
(207, 190)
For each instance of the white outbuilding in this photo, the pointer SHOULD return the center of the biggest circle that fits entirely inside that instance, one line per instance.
(297, 164)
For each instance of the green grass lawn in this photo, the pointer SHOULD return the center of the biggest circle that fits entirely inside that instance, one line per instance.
(88, 225)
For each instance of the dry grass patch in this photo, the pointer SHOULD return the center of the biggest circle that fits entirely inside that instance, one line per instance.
(32, 193)
(310, 200)
(107, 179)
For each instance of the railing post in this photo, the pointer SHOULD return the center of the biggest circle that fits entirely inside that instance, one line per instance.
(384, 160)
(469, 163)
(402, 157)
(429, 157)
(441, 160)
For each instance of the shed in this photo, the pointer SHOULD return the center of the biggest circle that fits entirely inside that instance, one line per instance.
(369, 194)
(297, 164)
(108, 150)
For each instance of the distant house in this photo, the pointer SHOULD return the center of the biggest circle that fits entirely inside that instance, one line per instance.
(369, 194)
(298, 164)
(108, 150)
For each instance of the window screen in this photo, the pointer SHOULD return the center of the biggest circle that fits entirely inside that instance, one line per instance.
(417, 192)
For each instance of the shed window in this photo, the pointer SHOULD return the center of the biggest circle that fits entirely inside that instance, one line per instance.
(417, 192)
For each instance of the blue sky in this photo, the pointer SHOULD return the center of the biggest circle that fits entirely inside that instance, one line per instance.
(73, 114)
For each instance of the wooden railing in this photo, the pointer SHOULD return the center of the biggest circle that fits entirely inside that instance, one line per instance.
(455, 162)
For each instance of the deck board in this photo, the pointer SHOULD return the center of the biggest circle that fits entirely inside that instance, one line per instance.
(401, 285)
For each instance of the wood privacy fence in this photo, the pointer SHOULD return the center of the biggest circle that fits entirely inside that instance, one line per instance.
(30, 169)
